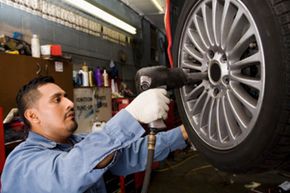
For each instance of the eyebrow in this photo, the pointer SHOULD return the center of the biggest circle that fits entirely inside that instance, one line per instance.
(58, 94)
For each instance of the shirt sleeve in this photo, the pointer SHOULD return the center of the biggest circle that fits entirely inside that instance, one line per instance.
(52, 170)
(133, 158)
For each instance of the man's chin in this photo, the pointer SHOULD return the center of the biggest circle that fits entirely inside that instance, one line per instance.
(73, 127)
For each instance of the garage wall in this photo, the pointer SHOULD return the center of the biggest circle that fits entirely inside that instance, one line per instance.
(95, 51)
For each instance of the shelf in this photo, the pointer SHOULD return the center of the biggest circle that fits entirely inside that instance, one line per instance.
(11, 143)
(90, 87)
(9, 146)
(56, 58)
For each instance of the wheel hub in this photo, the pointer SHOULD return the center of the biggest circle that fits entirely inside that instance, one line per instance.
(218, 70)
(214, 73)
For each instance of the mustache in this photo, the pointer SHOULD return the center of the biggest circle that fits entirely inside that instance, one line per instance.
(69, 113)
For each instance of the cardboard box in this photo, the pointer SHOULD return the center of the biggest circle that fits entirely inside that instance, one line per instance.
(91, 105)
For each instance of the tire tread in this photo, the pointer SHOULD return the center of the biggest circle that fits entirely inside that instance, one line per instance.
(280, 152)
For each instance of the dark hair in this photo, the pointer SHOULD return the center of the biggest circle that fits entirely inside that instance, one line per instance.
(29, 94)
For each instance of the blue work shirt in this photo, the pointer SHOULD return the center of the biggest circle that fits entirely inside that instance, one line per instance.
(39, 165)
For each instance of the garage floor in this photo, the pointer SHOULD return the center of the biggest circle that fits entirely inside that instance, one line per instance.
(189, 172)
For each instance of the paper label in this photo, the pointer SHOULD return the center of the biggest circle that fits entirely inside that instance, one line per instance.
(58, 66)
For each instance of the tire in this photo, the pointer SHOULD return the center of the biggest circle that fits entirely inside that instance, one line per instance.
(238, 116)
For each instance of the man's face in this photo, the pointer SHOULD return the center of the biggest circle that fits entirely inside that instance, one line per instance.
(55, 111)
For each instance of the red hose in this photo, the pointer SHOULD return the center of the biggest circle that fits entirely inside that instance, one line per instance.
(168, 32)
(2, 141)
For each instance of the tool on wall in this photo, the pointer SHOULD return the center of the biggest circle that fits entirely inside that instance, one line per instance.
(161, 77)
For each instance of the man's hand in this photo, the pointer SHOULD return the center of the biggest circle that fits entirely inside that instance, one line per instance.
(149, 106)
(184, 133)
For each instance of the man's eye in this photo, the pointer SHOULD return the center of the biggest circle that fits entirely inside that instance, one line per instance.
(57, 100)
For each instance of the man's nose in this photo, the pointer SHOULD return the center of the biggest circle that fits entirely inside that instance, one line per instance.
(69, 103)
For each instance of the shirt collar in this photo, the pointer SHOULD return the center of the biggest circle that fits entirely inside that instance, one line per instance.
(39, 139)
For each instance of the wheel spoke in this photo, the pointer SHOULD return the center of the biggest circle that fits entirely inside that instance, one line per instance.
(204, 113)
(199, 103)
(191, 51)
(207, 20)
(195, 39)
(192, 66)
(242, 44)
(216, 17)
(247, 80)
(248, 101)
(255, 58)
(194, 93)
(235, 30)
(228, 15)
(211, 120)
(200, 29)
(237, 111)
(219, 121)
(223, 130)
(229, 120)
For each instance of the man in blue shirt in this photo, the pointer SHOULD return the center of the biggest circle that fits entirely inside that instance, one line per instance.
(53, 160)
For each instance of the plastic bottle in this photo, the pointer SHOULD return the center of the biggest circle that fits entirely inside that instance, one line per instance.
(80, 78)
(98, 77)
(116, 87)
(75, 77)
(91, 78)
(85, 67)
(35, 47)
(106, 78)
(113, 85)
(85, 72)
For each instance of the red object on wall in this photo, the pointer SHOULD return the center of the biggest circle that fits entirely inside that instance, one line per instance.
(55, 50)
(2, 145)
(119, 104)
(122, 103)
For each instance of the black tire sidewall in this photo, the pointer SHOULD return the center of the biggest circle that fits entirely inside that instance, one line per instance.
(252, 151)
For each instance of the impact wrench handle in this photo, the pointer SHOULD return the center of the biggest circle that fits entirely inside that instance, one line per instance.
(157, 125)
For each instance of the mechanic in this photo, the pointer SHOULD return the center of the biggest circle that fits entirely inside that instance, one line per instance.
(53, 159)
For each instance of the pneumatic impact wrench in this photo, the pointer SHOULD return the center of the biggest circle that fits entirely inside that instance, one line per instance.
(161, 77)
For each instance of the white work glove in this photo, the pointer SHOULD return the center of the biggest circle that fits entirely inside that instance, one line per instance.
(149, 106)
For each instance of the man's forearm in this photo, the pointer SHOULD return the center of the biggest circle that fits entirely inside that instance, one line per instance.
(106, 161)
(133, 158)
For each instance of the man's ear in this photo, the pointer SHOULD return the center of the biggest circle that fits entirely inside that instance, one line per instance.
(31, 115)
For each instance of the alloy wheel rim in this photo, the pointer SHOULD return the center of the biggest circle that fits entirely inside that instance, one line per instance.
(220, 37)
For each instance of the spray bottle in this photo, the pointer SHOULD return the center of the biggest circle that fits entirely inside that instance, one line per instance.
(106, 78)
(91, 82)
(98, 77)
(35, 46)
(85, 74)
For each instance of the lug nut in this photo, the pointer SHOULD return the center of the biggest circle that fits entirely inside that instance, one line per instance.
(226, 80)
(224, 58)
(210, 53)
(216, 91)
